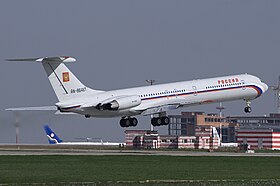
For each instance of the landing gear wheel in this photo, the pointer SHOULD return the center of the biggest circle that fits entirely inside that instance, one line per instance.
(133, 122)
(248, 109)
(156, 121)
(130, 122)
(153, 121)
(87, 116)
(124, 123)
(160, 121)
(165, 120)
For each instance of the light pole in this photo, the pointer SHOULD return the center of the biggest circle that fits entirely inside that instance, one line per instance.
(220, 108)
(276, 89)
(151, 82)
(17, 125)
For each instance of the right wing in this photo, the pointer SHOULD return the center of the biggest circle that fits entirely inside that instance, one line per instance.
(163, 107)
(159, 109)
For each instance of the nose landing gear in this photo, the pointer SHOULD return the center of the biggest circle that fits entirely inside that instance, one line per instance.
(248, 108)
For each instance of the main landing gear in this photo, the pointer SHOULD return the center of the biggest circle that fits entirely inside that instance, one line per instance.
(248, 108)
(132, 122)
(159, 121)
(128, 122)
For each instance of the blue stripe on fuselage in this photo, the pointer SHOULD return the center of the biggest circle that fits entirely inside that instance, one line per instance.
(258, 89)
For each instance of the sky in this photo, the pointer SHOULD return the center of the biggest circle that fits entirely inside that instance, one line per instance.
(120, 44)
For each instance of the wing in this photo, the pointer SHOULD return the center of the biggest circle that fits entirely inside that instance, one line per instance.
(164, 107)
(159, 109)
(44, 108)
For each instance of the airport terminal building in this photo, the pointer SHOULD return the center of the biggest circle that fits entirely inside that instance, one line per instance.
(152, 140)
(259, 132)
(194, 130)
(186, 123)
(259, 138)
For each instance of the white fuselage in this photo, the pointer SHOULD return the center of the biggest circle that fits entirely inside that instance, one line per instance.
(186, 93)
(92, 143)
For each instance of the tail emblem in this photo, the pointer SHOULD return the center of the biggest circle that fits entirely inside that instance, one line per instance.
(65, 77)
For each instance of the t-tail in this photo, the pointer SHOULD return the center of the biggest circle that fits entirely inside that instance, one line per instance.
(65, 84)
(52, 137)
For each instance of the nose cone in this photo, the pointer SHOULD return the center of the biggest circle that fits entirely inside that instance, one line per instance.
(265, 87)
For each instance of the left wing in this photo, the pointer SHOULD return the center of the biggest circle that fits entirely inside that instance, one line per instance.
(44, 108)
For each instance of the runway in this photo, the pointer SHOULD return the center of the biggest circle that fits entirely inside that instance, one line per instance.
(101, 151)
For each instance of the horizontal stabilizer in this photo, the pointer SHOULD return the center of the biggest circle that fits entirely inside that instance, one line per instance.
(60, 59)
(44, 108)
(64, 83)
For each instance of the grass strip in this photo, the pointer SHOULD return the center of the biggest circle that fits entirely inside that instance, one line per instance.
(117, 169)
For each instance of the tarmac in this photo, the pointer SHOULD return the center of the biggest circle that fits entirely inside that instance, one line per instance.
(103, 151)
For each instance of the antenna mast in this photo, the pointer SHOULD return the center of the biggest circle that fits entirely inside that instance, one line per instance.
(276, 90)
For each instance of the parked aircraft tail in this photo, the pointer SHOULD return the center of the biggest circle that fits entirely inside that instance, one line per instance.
(216, 134)
(52, 137)
(65, 84)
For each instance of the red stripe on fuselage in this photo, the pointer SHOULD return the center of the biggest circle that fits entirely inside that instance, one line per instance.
(206, 91)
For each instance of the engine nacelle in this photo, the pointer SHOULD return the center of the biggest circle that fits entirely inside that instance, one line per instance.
(121, 103)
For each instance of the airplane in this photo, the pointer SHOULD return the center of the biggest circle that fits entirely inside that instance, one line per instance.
(155, 100)
(54, 139)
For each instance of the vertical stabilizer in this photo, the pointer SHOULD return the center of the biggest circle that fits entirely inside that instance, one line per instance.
(52, 137)
(216, 134)
(65, 84)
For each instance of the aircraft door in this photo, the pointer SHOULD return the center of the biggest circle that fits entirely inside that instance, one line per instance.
(243, 84)
(176, 93)
(194, 90)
